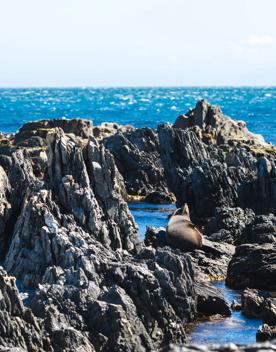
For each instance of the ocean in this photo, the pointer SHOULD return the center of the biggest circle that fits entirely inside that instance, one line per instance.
(137, 106)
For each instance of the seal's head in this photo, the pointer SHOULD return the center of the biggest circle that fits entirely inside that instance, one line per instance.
(183, 211)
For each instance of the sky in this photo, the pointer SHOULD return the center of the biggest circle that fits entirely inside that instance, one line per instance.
(137, 43)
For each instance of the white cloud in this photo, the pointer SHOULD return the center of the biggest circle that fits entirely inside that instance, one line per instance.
(260, 40)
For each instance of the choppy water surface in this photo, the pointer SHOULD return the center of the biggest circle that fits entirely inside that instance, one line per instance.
(137, 106)
(237, 328)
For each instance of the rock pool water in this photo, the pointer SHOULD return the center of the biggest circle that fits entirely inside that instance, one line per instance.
(147, 214)
(237, 328)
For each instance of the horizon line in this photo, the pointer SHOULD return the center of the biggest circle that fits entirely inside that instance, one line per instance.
(136, 87)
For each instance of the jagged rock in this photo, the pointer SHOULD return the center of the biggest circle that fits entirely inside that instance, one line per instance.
(269, 311)
(216, 175)
(197, 175)
(5, 206)
(18, 326)
(229, 224)
(238, 226)
(70, 236)
(211, 262)
(266, 333)
(88, 185)
(73, 239)
(252, 302)
(16, 177)
(121, 305)
(156, 237)
(210, 300)
(34, 133)
(137, 157)
(253, 266)
(69, 241)
(215, 126)
(262, 230)
(108, 129)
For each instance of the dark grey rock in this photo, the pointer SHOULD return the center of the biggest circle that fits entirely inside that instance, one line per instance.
(230, 168)
(210, 300)
(230, 224)
(137, 157)
(34, 133)
(159, 197)
(253, 266)
(215, 126)
(266, 333)
(18, 326)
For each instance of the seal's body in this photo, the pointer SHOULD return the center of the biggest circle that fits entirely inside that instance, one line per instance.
(181, 232)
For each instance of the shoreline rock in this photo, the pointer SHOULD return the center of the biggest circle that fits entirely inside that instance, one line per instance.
(66, 231)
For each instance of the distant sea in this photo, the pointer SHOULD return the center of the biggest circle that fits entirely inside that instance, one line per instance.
(137, 106)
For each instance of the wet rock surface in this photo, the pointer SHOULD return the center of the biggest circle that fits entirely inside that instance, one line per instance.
(211, 301)
(266, 333)
(261, 304)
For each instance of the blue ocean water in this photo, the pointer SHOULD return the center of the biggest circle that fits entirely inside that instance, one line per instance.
(137, 106)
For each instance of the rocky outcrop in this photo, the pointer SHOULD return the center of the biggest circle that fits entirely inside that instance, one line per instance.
(262, 305)
(211, 176)
(71, 239)
(18, 328)
(230, 224)
(261, 230)
(252, 302)
(223, 170)
(137, 157)
(259, 304)
(160, 197)
(215, 127)
(108, 129)
(210, 262)
(67, 235)
(266, 333)
(33, 134)
(237, 226)
(253, 266)
(87, 184)
(211, 301)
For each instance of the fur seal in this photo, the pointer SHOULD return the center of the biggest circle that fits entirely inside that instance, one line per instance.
(181, 232)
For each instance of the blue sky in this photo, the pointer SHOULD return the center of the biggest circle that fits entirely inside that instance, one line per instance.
(137, 43)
